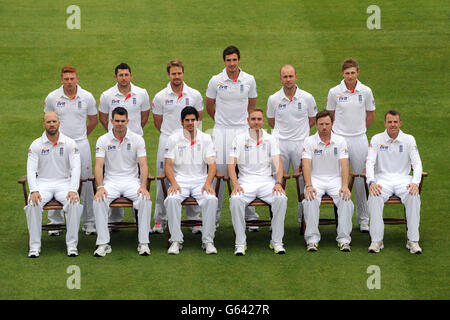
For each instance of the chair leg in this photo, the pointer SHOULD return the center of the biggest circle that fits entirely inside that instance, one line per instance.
(167, 233)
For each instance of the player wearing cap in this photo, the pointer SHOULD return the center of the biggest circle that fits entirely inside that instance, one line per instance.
(53, 170)
(73, 105)
(189, 152)
(229, 97)
(131, 97)
(325, 170)
(166, 108)
(291, 112)
(254, 152)
(391, 155)
(120, 152)
(353, 107)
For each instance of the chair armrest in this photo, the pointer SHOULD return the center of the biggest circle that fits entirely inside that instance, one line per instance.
(22, 180)
(162, 176)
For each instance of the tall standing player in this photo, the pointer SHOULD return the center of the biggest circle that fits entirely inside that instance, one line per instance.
(229, 97)
(167, 106)
(131, 97)
(73, 105)
(291, 112)
(353, 107)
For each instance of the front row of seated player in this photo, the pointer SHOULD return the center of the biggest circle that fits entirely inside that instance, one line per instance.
(53, 171)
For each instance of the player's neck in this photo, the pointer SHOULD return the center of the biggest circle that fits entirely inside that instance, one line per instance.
(234, 75)
(290, 92)
(125, 90)
(119, 135)
(255, 134)
(178, 90)
(190, 135)
(53, 138)
(351, 86)
(326, 138)
(70, 92)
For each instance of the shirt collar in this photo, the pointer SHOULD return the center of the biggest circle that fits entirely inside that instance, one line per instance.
(319, 141)
(399, 138)
(63, 95)
(345, 89)
(169, 88)
(262, 137)
(112, 137)
(225, 75)
(45, 140)
(117, 92)
(295, 97)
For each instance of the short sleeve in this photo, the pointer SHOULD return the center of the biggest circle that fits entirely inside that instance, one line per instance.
(91, 106)
(157, 107)
(169, 149)
(252, 91)
(312, 106)
(211, 90)
(370, 101)
(99, 149)
(270, 108)
(331, 102)
(306, 151)
(103, 105)
(145, 105)
(140, 150)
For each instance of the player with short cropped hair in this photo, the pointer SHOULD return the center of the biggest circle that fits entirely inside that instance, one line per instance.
(388, 166)
(74, 105)
(291, 112)
(53, 170)
(166, 107)
(353, 107)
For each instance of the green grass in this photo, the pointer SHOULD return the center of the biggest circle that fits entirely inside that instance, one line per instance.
(405, 63)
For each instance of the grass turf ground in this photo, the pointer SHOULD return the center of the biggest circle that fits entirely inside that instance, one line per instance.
(405, 63)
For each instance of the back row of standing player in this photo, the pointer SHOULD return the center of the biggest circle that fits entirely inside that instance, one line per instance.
(229, 96)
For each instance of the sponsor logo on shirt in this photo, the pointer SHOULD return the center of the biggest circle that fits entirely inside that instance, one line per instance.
(110, 147)
(45, 152)
(342, 98)
(247, 147)
(383, 147)
(281, 106)
(115, 101)
(60, 104)
(168, 102)
(222, 86)
(318, 152)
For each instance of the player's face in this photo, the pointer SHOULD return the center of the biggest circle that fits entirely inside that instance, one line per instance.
(256, 120)
(69, 80)
(189, 123)
(392, 124)
(176, 75)
(123, 77)
(288, 77)
(51, 123)
(119, 123)
(232, 62)
(324, 126)
(350, 75)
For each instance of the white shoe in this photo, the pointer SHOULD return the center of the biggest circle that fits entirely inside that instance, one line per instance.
(345, 247)
(72, 252)
(34, 253)
(175, 248)
(364, 228)
(54, 233)
(196, 230)
(376, 247)
(277, 247)
(209, 248)
(253, 229)
(143, 249)
(158, 228)
(89, 229)
(312, 247)
(102, 250)
(413, 247)
(239, 250)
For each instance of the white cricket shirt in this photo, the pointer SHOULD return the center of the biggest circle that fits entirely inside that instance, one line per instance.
(121, 157)
(231, 97)
(325, 157)
(49, 162)
(291, 116)
(392, 159)
(254, 158)
(72, 113)
(190, 158)
(169, 105)
(135, 102)
(350, 108)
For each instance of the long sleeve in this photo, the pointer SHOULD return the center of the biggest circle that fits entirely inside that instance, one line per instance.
(415, 162)
(32, 166)
(75, 168)
(370, 161)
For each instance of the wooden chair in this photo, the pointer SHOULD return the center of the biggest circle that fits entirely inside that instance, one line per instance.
(189, 201)
(53, 204)
(258, 203)
(326, 199)
(123, 202)
(394, 200)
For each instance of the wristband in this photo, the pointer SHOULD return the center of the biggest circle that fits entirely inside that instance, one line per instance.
(98, 187)
(371, 183)
(309, 185)
(278, 182)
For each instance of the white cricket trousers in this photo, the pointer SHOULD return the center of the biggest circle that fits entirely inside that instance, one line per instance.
(311, 211)
(223, 138)
(411, 203)
(358, 147)
(263, 191)
(128, 189)
(87, 192)
(59, 190)
(160, 215)
(291, 153)
(207, 203)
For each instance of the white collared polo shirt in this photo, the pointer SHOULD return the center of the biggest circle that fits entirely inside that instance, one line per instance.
(190, 158)
(49, 162)
(135, 102)
(231, 97)
(350, 108)
(72, 113)
(169, 105)
(121, 157)
(291, 116)
(392, 158)
(254, 158)
(325, 157)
